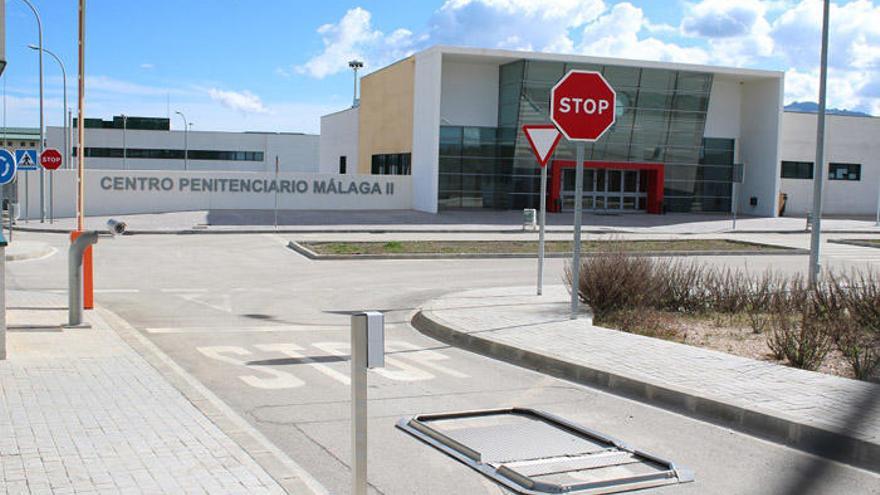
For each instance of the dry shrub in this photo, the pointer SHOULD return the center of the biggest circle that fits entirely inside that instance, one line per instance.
(852, 306)
(615, 281)
(796, 333)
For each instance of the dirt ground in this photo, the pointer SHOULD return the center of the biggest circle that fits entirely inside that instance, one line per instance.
(725, 334)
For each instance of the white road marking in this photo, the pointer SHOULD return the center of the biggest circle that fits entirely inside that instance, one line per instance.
(425, 357)
(242, 329)
(183, 290)
(278, 379)
(291, 350)
(220, 302)
(404, 373)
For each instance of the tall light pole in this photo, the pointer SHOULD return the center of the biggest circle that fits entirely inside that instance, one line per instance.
(185, 141)
(42, 140)
(80, 122)
(64, 111)
(64, 118)
(355, 65)
(819, 175)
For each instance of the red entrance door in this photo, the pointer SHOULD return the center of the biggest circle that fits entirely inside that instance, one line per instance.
(610, 186)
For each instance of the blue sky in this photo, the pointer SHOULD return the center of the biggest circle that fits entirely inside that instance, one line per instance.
(279, 65)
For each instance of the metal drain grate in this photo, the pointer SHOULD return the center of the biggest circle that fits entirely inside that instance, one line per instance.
(533, 452)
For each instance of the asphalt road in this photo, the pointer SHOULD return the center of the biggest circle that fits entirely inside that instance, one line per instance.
(267, 331)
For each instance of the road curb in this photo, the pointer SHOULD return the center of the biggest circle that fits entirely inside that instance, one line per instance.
(312, 255)
(855, 242)
(830, 444)
(31, 254)
(550, 230)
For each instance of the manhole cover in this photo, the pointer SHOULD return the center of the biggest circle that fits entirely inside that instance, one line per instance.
(533, 452)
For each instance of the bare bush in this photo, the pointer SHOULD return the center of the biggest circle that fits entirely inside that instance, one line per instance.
(615, 281)
(796, 333)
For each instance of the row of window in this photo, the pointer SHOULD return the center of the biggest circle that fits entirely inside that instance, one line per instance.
(174, 154)
(836, 171)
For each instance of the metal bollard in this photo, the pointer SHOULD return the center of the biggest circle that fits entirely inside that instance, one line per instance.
(367, 351)
(74, 275)
(2, 296)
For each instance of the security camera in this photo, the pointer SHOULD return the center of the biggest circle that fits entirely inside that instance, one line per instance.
(116, 227)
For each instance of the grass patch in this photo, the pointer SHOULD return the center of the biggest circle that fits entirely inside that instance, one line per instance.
(531, 247)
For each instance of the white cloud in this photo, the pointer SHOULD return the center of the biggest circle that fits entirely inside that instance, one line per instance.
(616, 34)
(541, 25)
(353, 37)
(147, 66)
(243, 101)
(737, 32)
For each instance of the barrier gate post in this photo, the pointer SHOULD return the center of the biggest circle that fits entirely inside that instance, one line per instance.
(367, 351)
(78, 247)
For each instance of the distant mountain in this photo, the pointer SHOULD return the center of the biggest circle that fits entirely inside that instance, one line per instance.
(813, 107)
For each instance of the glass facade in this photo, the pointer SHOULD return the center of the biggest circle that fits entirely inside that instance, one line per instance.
(173, 154)
(661, 117)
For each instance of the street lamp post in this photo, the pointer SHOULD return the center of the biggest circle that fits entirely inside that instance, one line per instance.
(64, 118)
(819, 175)
(355, 65)
(185, 141)
(42, 139)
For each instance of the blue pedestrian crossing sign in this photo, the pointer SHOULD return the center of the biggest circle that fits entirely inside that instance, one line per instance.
(7, 166)
(26, 159)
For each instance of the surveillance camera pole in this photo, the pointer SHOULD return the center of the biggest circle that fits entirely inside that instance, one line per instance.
(355, 65)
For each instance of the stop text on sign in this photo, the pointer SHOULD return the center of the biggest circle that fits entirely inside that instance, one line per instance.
(588, 106)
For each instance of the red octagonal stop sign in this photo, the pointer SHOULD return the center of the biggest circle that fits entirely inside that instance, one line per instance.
(50, 158)
(582, 105)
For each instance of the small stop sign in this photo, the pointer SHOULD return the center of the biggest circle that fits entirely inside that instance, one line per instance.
(50, 159)
(582, 105)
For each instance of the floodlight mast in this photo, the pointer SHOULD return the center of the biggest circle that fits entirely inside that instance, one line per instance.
(355, 65)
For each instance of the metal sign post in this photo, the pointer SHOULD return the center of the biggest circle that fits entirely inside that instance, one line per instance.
(367, 351)
(543, 140)
(578, 205)
(583, 106)
(737, 179)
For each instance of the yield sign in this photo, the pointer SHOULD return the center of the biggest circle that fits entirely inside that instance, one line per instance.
(543, 140)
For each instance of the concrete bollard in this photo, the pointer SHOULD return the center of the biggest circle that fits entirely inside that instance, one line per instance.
(74, 275)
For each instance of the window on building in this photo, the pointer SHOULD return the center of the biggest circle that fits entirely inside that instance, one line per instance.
(844, 171)
(391, 164)
(342, 164)
(797, 170)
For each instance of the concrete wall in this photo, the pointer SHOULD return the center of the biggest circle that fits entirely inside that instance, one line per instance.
(760, 131)
(469, 94)
(296, 152)
(339, 137)
(848, 140)
(116, 192)
(426, 130)
(386, 113)
(723, 119)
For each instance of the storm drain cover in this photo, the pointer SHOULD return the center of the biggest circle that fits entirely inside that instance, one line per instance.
(533, 452)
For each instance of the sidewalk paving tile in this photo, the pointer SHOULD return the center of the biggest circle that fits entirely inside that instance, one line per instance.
(81, 412)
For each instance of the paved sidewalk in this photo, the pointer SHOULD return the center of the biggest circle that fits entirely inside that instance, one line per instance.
(836, 417)
(81, 412)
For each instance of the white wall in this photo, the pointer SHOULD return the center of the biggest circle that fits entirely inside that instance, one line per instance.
(106, 193)
(339, 137)
(469, 94)
(760, 131)
(848, 140)
(723, 117)
(296, 152)
(426, 130)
